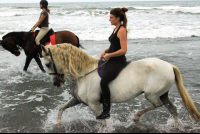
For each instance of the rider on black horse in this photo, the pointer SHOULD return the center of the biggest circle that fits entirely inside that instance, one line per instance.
(43, 24)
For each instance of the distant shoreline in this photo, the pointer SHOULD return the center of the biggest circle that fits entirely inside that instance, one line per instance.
(103, 1)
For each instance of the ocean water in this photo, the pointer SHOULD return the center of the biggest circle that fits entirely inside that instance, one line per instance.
(90, 21)
(166, 30)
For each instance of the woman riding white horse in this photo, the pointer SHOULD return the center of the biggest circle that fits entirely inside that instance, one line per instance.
(115, 56)
(151, 76)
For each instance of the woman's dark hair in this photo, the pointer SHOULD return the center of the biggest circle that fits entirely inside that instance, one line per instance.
(120, 12)
(44, 4)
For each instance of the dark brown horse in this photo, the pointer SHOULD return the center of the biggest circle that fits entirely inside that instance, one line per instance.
(15, 41)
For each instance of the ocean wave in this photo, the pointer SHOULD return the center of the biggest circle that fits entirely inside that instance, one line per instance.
(187, 13)
(19, 15)
(171, 9)
(83, 13)
(23, 11)
(22, 7)
(135, 10)
(194, 36)
(91, 22)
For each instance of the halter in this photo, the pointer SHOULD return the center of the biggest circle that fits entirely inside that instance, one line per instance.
(19, 48)
(58, 76)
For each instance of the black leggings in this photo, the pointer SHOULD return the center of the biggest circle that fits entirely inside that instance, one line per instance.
(112, 70)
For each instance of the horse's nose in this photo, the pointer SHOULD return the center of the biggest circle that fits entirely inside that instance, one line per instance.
(16, 53)
(56, 84)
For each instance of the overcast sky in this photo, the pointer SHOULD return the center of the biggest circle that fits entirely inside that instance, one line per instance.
(37, 1)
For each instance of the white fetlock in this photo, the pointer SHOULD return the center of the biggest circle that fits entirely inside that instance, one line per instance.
(58, 120)
(178, 123)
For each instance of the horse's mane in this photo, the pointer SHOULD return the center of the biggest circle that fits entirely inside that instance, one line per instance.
(75, 60)
(19, 35)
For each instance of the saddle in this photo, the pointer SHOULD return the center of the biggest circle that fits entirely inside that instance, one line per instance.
(102, 68)
(47, 39)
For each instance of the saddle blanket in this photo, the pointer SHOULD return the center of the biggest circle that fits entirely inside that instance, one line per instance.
(101, 68)
(47, 39)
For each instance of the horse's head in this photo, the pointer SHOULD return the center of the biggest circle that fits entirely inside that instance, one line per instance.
(54, 69)
(10, 43)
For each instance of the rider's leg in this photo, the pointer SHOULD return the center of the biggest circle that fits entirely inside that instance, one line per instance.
(41, 34)
(111, 72)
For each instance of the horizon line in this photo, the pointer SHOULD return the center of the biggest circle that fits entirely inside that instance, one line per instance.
(104, 1)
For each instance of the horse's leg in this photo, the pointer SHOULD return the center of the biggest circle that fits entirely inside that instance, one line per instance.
(170, 106)
(27, 63)
(140, 113)
(155, 100)
(37, 59)
(95, 108)
(97, 111)
(68, 104)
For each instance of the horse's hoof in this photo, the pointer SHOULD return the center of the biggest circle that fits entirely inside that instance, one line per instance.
(136, 119)
(43, 71)
(57, 128)
(103, 119)
(58, 120)
(178, 123)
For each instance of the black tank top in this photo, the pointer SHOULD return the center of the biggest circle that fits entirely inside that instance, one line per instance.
(115, 46)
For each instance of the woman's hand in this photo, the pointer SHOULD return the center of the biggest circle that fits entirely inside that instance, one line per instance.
(32, 29)
(107, 57)
(102, 54)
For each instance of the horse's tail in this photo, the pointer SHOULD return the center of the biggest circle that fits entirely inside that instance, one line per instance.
(185, 96)
(79, 45)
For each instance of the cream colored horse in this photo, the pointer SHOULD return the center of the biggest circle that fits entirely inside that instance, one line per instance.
(151, 76)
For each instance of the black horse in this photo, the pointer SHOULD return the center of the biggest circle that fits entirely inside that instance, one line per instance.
(15, 41)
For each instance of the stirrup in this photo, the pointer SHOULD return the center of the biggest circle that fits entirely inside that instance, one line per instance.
(103, 116)
(102, 119)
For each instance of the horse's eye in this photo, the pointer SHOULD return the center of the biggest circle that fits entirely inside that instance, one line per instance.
(48, 65)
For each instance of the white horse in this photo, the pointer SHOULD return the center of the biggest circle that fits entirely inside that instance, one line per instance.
(151, 76)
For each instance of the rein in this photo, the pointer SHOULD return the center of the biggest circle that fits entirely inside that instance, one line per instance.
(24, 42)
(91, 71)
(28, 37)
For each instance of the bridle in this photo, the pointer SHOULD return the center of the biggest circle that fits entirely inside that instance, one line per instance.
(27, 38)
(58, 76)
